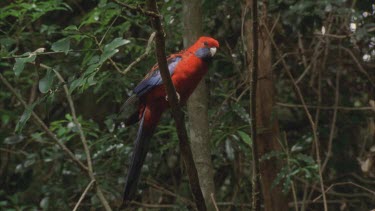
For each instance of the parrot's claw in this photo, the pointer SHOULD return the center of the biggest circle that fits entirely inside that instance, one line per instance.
(178, 97)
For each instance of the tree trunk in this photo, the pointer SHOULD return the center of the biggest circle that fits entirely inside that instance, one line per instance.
(198, 106)
(266, 120)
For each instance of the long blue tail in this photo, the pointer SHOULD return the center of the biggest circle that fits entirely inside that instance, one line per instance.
(141, 146)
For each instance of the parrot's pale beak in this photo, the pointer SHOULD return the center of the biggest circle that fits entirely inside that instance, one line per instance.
(213, 51)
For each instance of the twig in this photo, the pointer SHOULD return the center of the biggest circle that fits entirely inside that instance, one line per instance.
(283, 57)
(168, 192)
(345, 183)
(33, 90)
(286, 151)
(136, 61)
(312, 124)
(302, 50)
(143, 56)
(46, 53)
(83, 195)
(361, 179)
(177, 113)
(109, 27)
(326, 43)
(337, 36)
(243, 16)
(214, 202)
(236, 66)
(339, 194)
(312, 64)
(303, 73)
(101, 50)
(334, 118)
(154, 205)
(344, 108)
(74, 116)
(275, 23)
(361, 69)
(43, 125)
(138, 9)
(340, 201)
(233, 204)
(14, 152)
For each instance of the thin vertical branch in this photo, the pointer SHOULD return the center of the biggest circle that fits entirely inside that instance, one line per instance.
(177, 113)
(253, 91)
(334, 118)
(214, 202)
(90, 170)
(83, 195)
(286, 151)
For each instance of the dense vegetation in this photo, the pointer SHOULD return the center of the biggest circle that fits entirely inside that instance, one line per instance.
(54, 53)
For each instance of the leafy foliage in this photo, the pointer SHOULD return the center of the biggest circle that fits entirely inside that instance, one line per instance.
(90, 42)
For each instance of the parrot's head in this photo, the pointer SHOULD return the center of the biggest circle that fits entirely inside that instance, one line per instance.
(205, 48)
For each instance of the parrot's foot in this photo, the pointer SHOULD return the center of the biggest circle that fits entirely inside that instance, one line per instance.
(178, 97)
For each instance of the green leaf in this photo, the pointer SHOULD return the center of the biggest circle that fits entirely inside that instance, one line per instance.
(14, 139)
(62, 45)
(20, 63)
(44, 203)
(91, 80)
(107, 54)
(305, 158)
(111, 48)
(25, 116)
(71, 28)
(287, 184)
(7, 42)
(75, 84)
(281, 175)
(241, 112)
(117, 42)
(245, 137)
(110, 124)
(91, 69)
(46, 82)
(94, 60)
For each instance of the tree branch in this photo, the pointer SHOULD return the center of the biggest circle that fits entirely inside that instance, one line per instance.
(176, 109)
(344, 108)
(360, 68)
(143, 56)
(90, 170)
(83, 195)
(138, 9)
(253, 104)
(40, 122)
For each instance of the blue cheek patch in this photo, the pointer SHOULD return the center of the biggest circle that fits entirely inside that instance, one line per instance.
(203, 53)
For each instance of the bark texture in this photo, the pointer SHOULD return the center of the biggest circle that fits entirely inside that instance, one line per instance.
(198, 106)
(266, 119)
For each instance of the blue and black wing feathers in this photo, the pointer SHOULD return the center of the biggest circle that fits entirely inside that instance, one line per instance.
(153, 79)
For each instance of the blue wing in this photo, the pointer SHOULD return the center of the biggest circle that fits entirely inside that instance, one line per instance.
(154, 78)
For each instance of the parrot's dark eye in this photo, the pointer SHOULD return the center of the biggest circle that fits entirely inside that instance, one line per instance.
(205, 43)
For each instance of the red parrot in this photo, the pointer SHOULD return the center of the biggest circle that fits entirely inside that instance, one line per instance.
(149, 100)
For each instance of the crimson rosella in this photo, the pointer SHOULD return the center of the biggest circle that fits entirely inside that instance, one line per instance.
(187, 69)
